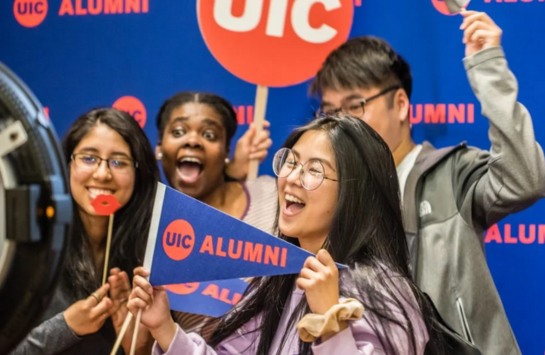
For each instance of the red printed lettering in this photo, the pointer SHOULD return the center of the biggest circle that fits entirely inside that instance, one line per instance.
(66, 8)
(95, 7)
(418, 118)
(178, 240)
(212, 291)
(220, 252)
(531, 234)
(527, 234)
(435, 113)
(224, 294)
(541, 234)
(284, 257)
(249, 251)
(207, 245)
(245, 114)
(221, 294)
(507, 235)
(238, 253)
(98, 7)
(132, 6)
(79, 8)
(442, 113)
(236, 298)
(253, 252)
(493, 234)
(271, 255)
(113, 7)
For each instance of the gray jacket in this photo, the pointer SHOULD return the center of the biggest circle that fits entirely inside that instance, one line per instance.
(453, 195)
(54, 337)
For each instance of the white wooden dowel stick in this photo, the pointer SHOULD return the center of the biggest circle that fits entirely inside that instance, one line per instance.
(259, 117)
(108, 244)
(135, 334)
(126, 323)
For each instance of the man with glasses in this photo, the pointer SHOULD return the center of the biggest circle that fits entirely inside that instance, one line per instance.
(452, 195)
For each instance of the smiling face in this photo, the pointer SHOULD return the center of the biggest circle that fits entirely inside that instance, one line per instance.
(193, 149)
(304, 214)
(85, 184)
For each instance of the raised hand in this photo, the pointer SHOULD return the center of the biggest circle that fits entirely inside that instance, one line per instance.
(251, 146)
(120, 290)
(153, 301)
(480, 32)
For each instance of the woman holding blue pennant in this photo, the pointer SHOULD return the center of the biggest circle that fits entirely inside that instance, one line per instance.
(326, 171)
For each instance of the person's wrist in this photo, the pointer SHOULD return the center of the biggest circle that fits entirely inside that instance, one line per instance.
(324, 309)
(69, 322)
(164, 333)
(233, 171)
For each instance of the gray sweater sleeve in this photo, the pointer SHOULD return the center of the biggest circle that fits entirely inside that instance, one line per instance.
(51, 337)
(512, 177)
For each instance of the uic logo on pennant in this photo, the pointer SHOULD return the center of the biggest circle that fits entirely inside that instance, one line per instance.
(178, 240)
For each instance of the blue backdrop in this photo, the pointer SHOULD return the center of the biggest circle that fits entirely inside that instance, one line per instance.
(151, 49)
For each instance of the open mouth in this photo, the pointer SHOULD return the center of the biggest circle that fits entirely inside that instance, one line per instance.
(293, 205)
(189, 169)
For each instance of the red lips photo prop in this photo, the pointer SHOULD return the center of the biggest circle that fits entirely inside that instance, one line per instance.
(105, 205)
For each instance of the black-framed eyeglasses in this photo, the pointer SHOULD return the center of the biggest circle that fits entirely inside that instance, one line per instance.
(355, 107)
(311, 174)
(90, 162)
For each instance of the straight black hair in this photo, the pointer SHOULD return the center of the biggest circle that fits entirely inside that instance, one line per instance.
(362, 63)
(366, 234)
(131, 222)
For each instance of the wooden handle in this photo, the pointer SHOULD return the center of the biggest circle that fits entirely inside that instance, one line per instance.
(108, 244)
(121, 335)
(135, 334)
(259, 116)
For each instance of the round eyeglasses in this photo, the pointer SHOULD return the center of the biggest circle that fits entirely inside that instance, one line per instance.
(311, 175)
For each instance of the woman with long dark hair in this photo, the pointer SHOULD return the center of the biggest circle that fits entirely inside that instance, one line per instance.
(108, 154)
(338, 196)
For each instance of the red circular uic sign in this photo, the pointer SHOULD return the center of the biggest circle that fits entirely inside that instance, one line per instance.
(133, 107)
(274, 43)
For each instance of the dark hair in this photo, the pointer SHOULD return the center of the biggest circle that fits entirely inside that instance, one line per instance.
(131, 222)
(366, 234)
(363, 62)
(218, 103)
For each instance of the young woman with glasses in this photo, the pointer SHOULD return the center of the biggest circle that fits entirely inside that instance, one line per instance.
(338, 197)
(109, 154)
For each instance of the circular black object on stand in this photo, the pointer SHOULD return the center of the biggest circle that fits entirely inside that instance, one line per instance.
(35, 210)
